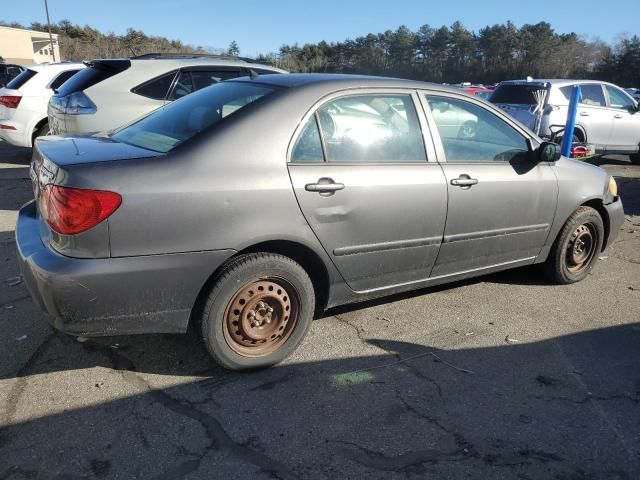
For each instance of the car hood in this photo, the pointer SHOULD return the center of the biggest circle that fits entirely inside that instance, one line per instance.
(80, 150)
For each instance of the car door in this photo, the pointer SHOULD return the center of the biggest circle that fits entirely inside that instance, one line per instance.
(625, 134)
(370, 187)
(594, 116)
(501, 203)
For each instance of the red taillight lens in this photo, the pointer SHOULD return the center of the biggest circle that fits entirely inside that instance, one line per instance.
(10, 101)
(73, 210)
(579, 151)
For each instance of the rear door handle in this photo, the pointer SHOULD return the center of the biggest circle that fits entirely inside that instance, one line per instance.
(618, 115)
(584, 114)
(464, 181)
(325, 187)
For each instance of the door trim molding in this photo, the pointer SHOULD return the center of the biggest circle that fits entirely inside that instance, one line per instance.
(460, 237)
(384, 246)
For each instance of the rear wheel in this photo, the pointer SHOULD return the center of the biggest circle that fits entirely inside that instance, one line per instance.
(576, 249)
(635, 158)
(258, 311)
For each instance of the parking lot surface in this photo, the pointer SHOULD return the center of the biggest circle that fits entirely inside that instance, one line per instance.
(505, 376)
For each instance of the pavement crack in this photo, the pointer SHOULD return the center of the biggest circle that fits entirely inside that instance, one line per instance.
(359, 331)
(408, 462)
(216, 434)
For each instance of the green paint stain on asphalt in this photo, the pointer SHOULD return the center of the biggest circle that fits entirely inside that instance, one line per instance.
(346, 379)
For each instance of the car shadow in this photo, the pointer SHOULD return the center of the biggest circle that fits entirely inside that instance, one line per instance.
(560, 408)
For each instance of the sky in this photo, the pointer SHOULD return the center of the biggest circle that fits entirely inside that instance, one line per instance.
(263, 26)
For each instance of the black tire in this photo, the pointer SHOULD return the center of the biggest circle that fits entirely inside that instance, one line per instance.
(576, 249)
(42, 131)
(234, 302)
(635, 158)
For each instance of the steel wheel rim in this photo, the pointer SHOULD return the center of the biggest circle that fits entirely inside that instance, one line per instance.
(261, 317)
(581, 248)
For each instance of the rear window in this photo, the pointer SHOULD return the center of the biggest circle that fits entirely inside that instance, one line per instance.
(63, 77)
(21, 79)
(166, 128)
(516, 94)
(93, 74)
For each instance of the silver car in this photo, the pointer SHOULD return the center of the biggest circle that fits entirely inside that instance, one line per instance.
(110, 93)
(251, 206)
(608, 117)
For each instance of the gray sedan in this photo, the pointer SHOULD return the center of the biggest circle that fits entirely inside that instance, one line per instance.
(250, 206)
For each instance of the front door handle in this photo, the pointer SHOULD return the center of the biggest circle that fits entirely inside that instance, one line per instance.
(584, 114)
(618, 115)
(325, 187)
(464, 181)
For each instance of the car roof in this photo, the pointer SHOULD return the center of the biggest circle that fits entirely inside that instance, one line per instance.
(179, 61)
(335, 80)
(55, 66)
(556, 82)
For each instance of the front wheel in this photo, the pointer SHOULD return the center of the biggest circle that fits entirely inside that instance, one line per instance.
(258, 311)
(635, 158)
(576, 250)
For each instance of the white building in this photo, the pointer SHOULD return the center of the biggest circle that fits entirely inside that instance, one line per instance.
(26, 47)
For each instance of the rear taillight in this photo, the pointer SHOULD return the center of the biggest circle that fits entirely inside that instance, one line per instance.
(79, 104)
(73, 210)
(10, 101)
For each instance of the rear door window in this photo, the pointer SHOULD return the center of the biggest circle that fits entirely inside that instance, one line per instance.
(21, 79)
(308, 147)
(157, 88)
(61, 78)
(372, 128)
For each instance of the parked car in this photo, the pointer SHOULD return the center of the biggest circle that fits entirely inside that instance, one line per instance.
(9, 71)
(250, 206)
(608, 117)
(24, 101)
(111, 93)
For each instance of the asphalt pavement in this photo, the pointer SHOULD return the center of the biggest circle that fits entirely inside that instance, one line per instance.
(502, 377)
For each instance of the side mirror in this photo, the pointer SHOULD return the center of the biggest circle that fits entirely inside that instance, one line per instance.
(549, 152)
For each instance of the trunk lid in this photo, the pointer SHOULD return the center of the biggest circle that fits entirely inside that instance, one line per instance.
(52, 154)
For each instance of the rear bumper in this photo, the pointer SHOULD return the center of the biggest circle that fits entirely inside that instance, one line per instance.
(15, 135)
(615, 212)
(111, 296)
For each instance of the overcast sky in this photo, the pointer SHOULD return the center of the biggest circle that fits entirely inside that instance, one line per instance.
(262, 26)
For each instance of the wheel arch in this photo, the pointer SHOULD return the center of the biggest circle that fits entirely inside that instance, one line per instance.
(37, 127)
(598, 206)
(306, 256)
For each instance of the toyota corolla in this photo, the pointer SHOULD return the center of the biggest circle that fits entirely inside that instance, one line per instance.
(249, 207)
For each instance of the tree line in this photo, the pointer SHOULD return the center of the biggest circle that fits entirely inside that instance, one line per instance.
(446, 54)
(455, 54)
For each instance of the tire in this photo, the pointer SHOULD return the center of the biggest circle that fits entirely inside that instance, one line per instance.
(258, 311)
(41, 132)
(569, 261)
(635, 158)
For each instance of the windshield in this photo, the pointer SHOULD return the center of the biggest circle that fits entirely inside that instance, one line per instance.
(169, 126)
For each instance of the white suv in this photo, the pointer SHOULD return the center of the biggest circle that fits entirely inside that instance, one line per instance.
(113, 92)
(24, 100)
(608, 117)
